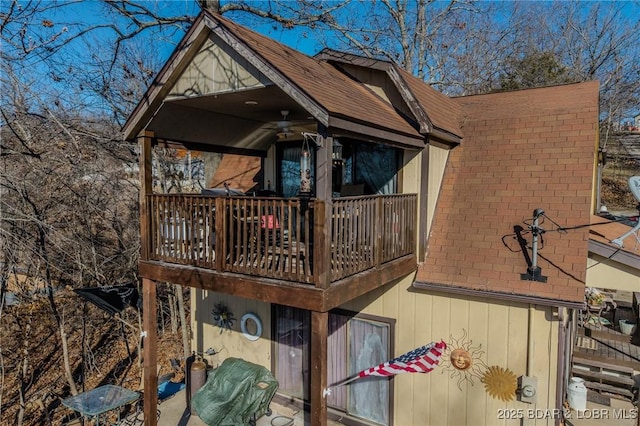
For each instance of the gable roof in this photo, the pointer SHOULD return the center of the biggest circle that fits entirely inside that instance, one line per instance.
(435, 112)
(522, 150)
(329, 95)
(341, 96)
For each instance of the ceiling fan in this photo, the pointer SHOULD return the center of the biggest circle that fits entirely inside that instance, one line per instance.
(284, 126)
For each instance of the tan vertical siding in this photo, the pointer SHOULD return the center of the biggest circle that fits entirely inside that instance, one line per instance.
(231, 343)
(214, 70)
(605, 273)
(497, 329)
(379, 82)
(437, 162)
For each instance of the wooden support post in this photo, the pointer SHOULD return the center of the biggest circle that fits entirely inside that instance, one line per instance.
(319, 335)
(321, 255)
(149, 352)
(423, 202)
(146, 188)
(322, 222)
(220, 225)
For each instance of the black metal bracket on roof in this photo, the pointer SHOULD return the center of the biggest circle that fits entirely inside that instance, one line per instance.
(534, 272)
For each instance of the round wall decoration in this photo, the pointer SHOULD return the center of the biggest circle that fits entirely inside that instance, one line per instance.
(243, 326)
(461, 359)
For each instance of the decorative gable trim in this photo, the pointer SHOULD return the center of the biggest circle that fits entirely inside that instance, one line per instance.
(218, 28)
(426, 126)
(163, 83)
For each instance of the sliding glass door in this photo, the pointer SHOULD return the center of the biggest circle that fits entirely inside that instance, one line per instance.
(355, 343)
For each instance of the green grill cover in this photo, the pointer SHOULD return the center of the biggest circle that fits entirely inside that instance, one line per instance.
(234, 392)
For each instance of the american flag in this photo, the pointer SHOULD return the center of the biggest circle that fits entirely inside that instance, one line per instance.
(421, 360)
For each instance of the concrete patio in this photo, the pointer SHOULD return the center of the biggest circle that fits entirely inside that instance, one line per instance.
(173, 413)
(619, 413)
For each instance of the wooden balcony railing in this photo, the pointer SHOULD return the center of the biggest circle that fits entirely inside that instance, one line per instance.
(274, 237)
(371, 230)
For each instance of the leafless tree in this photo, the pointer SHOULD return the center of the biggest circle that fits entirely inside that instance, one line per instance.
(67, 209)
(68, 188)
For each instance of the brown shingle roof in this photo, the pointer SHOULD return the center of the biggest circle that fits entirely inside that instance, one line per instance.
(239, 171)
(522, 150)
(443, 112)
(338, 94)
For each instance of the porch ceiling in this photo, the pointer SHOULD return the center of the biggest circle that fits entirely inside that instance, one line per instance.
(245, 119)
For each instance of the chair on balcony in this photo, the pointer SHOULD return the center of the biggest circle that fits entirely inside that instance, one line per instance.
(270, 228)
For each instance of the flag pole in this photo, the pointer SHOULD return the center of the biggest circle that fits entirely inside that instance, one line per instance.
(327, 391)
(421, 360)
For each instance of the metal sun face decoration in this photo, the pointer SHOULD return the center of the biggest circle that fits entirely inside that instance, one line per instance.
(464, 362)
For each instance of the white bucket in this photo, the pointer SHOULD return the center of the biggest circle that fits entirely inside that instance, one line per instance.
(577, 394)
(627, 327)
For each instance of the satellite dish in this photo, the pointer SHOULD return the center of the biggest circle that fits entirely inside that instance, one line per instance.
(634, 186)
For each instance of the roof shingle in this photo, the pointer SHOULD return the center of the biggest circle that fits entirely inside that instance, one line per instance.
(521, 151)
(337, 93)
(443, 111)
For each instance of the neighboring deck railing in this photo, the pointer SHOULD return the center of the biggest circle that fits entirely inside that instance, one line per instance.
(274, 237)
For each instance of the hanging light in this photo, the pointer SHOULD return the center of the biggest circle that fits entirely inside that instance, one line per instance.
(336, 154)
(336, 169)
(284, 126)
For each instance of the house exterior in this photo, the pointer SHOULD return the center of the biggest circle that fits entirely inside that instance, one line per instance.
(416, 228)
(611, 266)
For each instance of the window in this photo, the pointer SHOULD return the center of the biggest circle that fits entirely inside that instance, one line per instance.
(355, 343)
(288, 168)
(373, 165)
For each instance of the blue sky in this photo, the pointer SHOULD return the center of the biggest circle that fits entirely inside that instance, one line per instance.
(78, 15)
(92, 13)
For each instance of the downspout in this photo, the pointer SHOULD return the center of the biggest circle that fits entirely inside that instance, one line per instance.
(530, 352)
(560, 364)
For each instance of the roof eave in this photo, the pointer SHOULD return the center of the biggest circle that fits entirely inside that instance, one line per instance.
(444, 136)
(273, 74)
(412, 141)
(614, 253)
(154, 96)
(498, 295)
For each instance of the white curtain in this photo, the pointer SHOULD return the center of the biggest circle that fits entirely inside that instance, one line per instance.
(354, 344)
(369, 347)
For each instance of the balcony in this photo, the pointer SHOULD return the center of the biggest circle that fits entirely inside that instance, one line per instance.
(287, 239)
